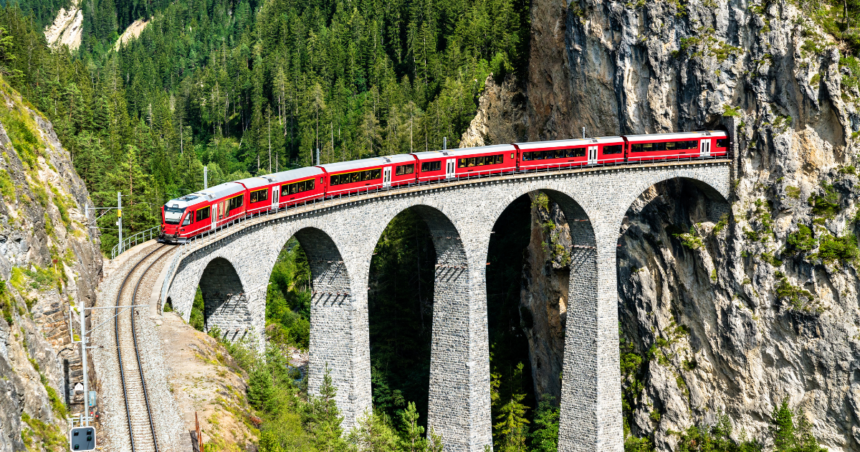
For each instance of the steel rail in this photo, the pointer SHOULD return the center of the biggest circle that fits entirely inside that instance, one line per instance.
(136, 351)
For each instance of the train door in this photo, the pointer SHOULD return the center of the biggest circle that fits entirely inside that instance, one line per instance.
(450, 167)
(214, 216)
(705, 148)
(276, 192)
(592, 155)
(386, 177)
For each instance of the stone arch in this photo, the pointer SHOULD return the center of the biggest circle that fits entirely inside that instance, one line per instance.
(580, 416)
(454, 390)
(225, 304)
(715, 190)
(334, 318)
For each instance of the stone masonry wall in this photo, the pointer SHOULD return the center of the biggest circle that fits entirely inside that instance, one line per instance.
(340, 239)
(224, 301)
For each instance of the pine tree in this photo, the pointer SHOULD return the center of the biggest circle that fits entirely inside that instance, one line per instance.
(782, 428)
(544, 438)
(413, 434)
(261, 391)
(323, 419)
(512, 429)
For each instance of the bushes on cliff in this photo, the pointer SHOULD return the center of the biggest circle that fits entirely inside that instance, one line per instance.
(790, 431)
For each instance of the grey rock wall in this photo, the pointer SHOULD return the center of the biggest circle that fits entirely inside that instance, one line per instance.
(618, 67)
(48, 262)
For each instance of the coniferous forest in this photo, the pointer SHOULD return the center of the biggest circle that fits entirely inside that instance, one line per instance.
(249, 87)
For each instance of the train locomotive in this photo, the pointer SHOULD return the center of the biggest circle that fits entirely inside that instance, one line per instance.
(196, 213)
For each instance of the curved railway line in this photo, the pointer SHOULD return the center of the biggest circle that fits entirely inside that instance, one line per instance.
(141, 427)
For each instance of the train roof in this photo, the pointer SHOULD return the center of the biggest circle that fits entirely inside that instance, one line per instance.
(676, 136)
(209, 194)
(569, 143)
(253, 182)
(495, 149)
(367, 163)
(291, 175)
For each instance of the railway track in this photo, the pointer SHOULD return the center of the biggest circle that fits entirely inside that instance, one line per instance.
(141, 425)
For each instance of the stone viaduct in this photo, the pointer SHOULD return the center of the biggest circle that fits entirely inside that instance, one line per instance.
(233, 269)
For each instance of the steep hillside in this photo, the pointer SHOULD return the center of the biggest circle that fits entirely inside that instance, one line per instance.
(47, 263)
(725, 314)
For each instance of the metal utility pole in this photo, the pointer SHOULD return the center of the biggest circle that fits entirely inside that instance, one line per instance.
(119, 218)
(86, 420)
(205, 177)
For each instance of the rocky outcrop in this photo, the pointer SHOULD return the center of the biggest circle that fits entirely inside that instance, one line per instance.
(48, 262)
(728, 313)
(68, 27)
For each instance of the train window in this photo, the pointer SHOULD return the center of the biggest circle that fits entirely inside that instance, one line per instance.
(722, 142)
(349, 178)
(187, 219)
(298, 187)
(683, 145)
(203, 214)
(512, 156)
(404, 169)
(234, 202)
(613, 149)
(499, 159)
(259, 195)
(527, 156)
(671, 145)
(576, 152)
(431, 166)
(172, 215)
(659, 146)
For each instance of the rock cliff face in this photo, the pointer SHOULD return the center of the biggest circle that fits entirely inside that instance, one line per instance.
(47, 262)
(729, 313)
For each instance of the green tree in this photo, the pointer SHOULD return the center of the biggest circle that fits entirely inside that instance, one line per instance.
(512, 429)
(323, 419)
(544, 437)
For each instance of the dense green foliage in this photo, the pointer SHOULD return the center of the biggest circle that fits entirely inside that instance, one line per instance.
(400, 309)
(296, 422)
(247, 86)
(288, 301)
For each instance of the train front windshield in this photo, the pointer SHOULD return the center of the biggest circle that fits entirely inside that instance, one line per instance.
(172, 215)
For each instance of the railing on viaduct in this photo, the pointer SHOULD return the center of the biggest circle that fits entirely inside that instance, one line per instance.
(232, 265)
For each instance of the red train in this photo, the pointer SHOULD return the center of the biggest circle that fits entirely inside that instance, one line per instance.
(194, 214)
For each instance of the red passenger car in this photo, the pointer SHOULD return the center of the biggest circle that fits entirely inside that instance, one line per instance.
(463, 162)
(199, 212)
(567, 153)
(675, 146)
(369, 174)
(296, 186)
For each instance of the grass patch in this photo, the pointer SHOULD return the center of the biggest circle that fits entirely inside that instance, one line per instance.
(826, 205)
(802, 241)
(7, 187)
(798, 299)
(833, 249)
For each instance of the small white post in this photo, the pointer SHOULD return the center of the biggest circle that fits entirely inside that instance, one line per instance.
(444, 143)
(205, 177)
(583, 132)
